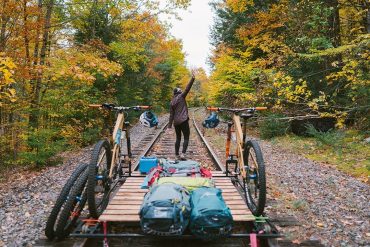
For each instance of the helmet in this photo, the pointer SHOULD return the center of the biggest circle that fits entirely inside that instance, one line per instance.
(212, 121)
(148, 119)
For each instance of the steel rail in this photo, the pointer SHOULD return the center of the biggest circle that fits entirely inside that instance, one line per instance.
(148, 147)
(209, 148)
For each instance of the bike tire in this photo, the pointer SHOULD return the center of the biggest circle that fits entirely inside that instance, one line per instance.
(256, 205)
(96, 207)
(73, 207)
(50, 224)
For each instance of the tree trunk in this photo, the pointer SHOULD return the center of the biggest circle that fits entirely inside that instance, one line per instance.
(35, 103)
(334, 22)
(3, 26)
(37, 39)
(26, 37)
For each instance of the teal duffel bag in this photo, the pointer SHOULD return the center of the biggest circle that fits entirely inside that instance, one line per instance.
(165, 210)
(210, 217)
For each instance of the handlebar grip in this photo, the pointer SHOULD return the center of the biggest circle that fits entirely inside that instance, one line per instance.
(145, 106)
(212, 108)
(94, 105)
(260, 108)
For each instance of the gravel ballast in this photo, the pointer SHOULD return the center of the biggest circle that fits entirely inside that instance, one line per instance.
(27, 197)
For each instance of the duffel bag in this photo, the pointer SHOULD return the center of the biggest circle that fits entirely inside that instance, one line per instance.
(182, 168)
(190, 183)
(165, 210)
(210, 217)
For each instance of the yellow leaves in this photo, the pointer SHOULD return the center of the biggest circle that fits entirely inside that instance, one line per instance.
(81, 64)
(239, 5)
(6, 79)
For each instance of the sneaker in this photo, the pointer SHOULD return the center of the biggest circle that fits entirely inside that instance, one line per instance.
(177, 157)
(182, 156)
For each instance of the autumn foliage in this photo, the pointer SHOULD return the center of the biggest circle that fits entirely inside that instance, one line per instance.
(56, 57)
(297, 57)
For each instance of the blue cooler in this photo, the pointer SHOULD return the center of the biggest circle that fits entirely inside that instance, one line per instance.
(147, 163)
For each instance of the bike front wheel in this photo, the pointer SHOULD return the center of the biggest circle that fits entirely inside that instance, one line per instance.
(255, 179)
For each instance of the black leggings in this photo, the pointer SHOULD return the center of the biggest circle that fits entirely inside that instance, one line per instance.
(184, 128)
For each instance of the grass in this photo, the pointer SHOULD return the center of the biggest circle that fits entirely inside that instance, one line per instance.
(345, 150)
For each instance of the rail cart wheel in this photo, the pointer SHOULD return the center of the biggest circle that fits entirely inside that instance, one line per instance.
(62, 198)
(73, 207)
(255, 180)
(98, 184)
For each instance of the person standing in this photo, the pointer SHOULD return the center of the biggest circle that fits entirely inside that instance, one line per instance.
(179, 117)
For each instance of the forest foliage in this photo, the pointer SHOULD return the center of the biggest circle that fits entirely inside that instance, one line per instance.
(58, 56)
(298, 57)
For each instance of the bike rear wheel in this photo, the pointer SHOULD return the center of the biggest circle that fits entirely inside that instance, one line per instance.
(255, 180)
(62, 198)
(98, 184)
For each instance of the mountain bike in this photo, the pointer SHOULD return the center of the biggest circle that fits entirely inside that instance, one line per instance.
(247, 160)
(107, 164)
(55, 216)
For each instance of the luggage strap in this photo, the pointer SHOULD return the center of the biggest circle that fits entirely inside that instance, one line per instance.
(253, 240)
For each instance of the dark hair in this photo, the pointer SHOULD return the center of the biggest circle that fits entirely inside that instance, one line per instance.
(177, 91)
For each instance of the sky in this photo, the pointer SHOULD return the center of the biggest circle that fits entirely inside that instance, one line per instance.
(194, 31)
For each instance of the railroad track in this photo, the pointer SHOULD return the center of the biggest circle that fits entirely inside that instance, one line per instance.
(160, 143)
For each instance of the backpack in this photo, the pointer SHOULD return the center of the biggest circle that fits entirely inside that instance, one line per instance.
(165, 210)
(210, 217)
(190, 183)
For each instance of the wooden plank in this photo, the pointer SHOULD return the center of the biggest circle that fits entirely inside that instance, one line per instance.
(128, 198)
(235, 202)
(125, 207)
(231, 197)
(134, 181)
(123, 212)
(240, 211)
(129, 194)
(132, 191)
(125, 202)
(120, 218)
(237, 218)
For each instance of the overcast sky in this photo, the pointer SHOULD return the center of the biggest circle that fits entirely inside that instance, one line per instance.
(194, 30)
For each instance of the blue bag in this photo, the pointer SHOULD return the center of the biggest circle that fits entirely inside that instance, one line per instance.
(165, 210)
(210, 217)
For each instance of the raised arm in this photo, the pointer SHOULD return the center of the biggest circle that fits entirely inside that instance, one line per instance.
(190, 84)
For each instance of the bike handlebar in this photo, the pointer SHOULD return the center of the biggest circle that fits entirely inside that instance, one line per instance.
(235, 110)
(120, 108)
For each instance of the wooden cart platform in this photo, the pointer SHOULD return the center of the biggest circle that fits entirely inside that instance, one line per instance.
(125, 205)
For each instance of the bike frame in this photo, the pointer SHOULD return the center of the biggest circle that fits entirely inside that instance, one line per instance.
(240, 133)
(120, 126)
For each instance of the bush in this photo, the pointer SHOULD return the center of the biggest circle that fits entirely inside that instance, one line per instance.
(44, 146)
(273, 126)
(330, 138)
